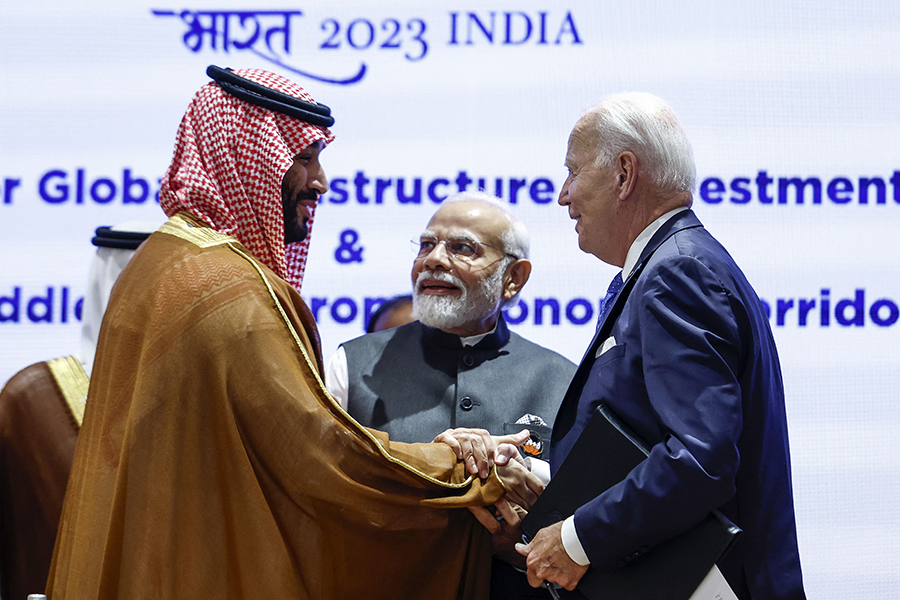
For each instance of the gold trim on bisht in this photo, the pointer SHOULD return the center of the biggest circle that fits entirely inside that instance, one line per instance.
(73, 382)
(312, 367)
(183, 226)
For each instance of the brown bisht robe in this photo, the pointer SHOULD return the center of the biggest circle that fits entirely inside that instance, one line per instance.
(213, 464)
(40, 411)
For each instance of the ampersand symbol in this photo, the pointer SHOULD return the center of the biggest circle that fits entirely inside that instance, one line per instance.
(347, 252)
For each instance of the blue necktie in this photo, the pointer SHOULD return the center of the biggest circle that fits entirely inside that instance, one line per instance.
(611, 292)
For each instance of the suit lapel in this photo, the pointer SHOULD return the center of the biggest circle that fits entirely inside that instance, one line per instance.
(686, 219)
(683, 220)
(568, 409)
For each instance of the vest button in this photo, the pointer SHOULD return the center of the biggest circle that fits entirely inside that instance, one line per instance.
(468, 360)
(466, 403)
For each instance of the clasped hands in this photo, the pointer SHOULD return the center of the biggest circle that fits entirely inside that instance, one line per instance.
(481, 451)
(545, 557)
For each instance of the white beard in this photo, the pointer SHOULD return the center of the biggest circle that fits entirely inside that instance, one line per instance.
(449, 312)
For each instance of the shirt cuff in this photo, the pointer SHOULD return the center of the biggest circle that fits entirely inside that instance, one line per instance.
(337, 377)
(572, 544)
(539, 468)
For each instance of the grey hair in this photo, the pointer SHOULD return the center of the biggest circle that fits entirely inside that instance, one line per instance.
(515, 238)
(644, 124)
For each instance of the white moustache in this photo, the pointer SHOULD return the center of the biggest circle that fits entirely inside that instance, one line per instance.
(439, 276)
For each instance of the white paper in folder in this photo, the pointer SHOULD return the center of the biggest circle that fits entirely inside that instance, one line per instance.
(713, 587)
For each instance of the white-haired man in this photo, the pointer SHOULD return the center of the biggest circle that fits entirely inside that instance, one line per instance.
(458, 367)
(683, 354)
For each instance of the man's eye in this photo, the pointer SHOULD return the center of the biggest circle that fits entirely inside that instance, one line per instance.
(462, 248)
(426, 245)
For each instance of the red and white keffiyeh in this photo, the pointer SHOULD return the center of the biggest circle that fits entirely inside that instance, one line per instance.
(230, 157)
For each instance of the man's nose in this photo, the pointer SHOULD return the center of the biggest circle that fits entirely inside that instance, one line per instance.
(438, 257)
(563, 199)
(319, 181)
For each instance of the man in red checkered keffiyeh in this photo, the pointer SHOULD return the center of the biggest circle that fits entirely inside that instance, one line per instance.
(212, 462)
(250, 172)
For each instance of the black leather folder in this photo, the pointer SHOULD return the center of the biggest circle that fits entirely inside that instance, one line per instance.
(605, 452)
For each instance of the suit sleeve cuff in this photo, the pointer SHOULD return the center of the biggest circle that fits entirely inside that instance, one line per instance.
(572, 544)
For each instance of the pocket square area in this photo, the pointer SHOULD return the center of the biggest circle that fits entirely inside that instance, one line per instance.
(606, 345)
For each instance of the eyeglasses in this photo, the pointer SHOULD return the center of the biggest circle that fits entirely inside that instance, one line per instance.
(458, 248)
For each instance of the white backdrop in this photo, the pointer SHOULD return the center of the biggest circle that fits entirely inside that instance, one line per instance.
(777, 97)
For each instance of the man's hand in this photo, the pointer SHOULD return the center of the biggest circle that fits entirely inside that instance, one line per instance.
(522, 486)
(480, 450)
(505, 527)
(547, 560)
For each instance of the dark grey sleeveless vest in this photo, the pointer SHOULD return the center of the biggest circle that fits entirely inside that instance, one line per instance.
(415, 381)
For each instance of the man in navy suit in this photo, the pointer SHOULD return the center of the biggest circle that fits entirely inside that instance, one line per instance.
(687, 361)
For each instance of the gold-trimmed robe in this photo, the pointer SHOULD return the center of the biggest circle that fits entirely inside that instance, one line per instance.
(212, 462)
(40, 411)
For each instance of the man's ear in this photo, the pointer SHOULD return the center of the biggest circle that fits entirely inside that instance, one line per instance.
(626, 174)
(517, 274)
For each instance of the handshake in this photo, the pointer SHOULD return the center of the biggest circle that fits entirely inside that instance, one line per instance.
(481, 451)
(545, 558)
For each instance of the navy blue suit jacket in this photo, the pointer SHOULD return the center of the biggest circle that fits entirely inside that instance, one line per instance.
(695, 373)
